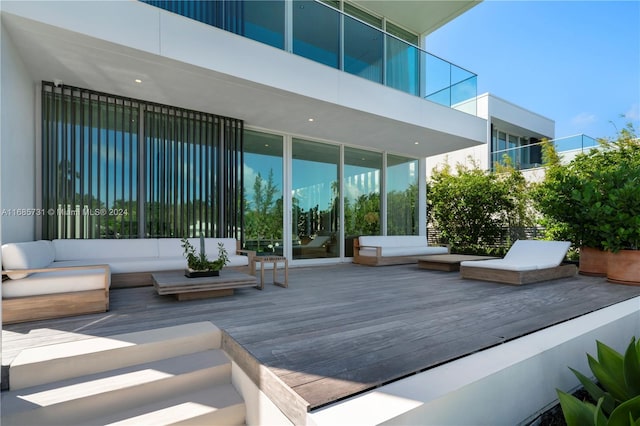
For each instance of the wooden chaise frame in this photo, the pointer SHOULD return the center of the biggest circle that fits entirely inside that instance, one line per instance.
(57, 305)
(518, 277)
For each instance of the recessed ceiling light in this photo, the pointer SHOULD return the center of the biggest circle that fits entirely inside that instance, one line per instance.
(266, 144)
(416, 143)
(310, 119)
(137, 80)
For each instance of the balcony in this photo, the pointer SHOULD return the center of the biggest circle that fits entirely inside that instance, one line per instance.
(530, 156)
(326, 35)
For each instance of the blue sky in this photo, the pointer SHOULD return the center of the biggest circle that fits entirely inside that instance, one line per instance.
(576, 62)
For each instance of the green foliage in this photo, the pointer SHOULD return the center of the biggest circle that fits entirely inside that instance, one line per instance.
(616, 390)
(471, 207)
(402, 207)
(263, 215)
(593, 200)
(199, 261)
(363, 217)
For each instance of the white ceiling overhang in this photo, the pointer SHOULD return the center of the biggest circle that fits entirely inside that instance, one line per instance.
(419, 16)
(361, 119)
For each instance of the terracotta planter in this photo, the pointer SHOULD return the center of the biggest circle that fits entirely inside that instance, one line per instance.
(624, 267)
(593, 262)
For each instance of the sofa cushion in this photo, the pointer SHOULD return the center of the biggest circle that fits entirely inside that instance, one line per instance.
(130, 265)
(55, 282)
(403, 251)
(27, 255)
(80, 249)
(393, 240)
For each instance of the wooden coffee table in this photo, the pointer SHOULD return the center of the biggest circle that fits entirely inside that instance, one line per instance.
(183, 288)
(447, 262)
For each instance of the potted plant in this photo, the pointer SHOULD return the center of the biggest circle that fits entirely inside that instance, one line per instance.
(621, 204)
(594, 202)
(568, 198)
(198, 265)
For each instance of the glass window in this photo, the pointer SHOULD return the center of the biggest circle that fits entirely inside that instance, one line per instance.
(264, 21)
(502, 140)
(92, 170)
(403, 34)
(316, 32)
(363, 50)
(402, 195)
(356, 12)
(361, 183)
(403, 66)
(315, 200)
(263, 209)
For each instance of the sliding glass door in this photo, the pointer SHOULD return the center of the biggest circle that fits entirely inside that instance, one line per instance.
(263, 202)
(361, 183)
(315, 200)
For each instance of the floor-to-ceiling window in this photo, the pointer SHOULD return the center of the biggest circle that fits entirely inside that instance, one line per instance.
(315, 216)
(402, 195)
(263, 202)
(361, 185)
(115, 167)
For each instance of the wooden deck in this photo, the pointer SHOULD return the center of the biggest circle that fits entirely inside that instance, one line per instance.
(342, 329)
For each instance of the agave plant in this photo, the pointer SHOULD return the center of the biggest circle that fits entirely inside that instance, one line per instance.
(616, 389)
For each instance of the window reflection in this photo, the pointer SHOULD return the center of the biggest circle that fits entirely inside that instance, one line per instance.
(362, 170)
(263, 209)
(402, 195)
(315, 200)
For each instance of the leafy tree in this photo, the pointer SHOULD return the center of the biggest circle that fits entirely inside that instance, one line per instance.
(402, 218)
(471, 207)
(363, 218)
(263, 216)
(593, 200)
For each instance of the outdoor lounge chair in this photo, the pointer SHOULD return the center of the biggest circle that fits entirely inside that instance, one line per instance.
(527, 261)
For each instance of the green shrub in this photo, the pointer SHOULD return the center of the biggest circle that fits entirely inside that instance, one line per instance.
(616, 390)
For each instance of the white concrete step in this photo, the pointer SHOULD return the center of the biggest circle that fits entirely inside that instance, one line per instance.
(219, 405)
(52, 363)
(82, 399)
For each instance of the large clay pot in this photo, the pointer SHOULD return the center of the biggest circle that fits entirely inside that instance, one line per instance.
(593, 262)
(624, 267)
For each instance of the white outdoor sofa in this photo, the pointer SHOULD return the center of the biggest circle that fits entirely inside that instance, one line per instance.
(379, 250)
(527, 261)
(50, 279)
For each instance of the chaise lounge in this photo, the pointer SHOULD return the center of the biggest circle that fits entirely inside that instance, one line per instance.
(527, 261)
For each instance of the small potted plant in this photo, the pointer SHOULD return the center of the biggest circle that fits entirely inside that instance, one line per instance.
(198, 265)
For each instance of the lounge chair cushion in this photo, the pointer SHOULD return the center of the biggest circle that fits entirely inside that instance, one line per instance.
(527, 255)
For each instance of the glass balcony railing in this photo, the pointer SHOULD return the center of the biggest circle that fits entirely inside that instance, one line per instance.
(326, 35)
(530, 156)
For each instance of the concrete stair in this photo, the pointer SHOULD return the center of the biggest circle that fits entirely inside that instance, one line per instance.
(174, 375)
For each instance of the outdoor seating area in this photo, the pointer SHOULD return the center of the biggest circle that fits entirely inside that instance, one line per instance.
(354, 327)
(59, 278)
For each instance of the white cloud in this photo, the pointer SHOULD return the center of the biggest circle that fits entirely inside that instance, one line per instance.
(583, 119)
(633, 113)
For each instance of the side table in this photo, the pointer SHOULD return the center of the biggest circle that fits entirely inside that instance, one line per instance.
(275, 260)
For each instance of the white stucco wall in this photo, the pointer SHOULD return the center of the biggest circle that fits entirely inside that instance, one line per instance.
(17, 145)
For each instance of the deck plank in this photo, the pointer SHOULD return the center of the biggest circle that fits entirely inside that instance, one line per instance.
(342, 329)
